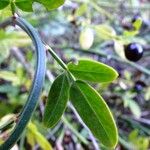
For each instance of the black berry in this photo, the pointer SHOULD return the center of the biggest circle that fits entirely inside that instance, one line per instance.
(133, 51)
(139, 85)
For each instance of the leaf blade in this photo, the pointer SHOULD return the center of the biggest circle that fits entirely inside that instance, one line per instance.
(92, 71)
(90, 103)
(4, 3)
(26, 5)
(57, 100)
(37, 136)
(51, 4)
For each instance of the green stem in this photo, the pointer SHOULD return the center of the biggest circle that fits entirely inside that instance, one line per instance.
(60, 62)
(56, 57)
(13, 9)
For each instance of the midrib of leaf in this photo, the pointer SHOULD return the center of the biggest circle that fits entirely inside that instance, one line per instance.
(6, 0)
(94, 113)
(58, 98)
(83, 71)
(75, 70)
(20, 1)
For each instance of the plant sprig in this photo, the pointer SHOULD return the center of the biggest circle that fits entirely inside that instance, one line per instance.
(85, 99)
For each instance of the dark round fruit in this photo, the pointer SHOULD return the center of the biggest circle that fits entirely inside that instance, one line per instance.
(133, 51)
(139, 85)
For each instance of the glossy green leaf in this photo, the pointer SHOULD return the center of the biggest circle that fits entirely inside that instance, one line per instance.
(57, 100)
(4, 3)
(94, 112)
(92, 71)
(26, 5)
(51, 4)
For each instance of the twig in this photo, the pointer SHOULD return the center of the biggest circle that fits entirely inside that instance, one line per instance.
(143, 120)
(20, 57)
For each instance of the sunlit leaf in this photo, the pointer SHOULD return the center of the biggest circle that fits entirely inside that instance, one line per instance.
(92, 71)
(40, 139)
(9, 76)
(105, 32)
(94, 112)
(51, 4)
(26, 5)
(81, 10)
(137, 24)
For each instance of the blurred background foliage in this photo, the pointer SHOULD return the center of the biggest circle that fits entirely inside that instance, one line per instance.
(79, 29)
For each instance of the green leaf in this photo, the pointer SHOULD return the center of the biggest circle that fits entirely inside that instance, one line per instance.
(4, 3)
(92, 71)
(105, 31)
(41, 140)
(138, 142)
(135, 108)
(94, 112)
(130, 33)
(26, 5)
(51, 4)
(9, 76)
(137, 24)
(57, 100)
(81, 10)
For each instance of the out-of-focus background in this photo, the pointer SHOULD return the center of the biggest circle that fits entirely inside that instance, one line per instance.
(96, 29)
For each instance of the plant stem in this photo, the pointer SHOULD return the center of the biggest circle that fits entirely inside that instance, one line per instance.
(56, 57)
(60, 62)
